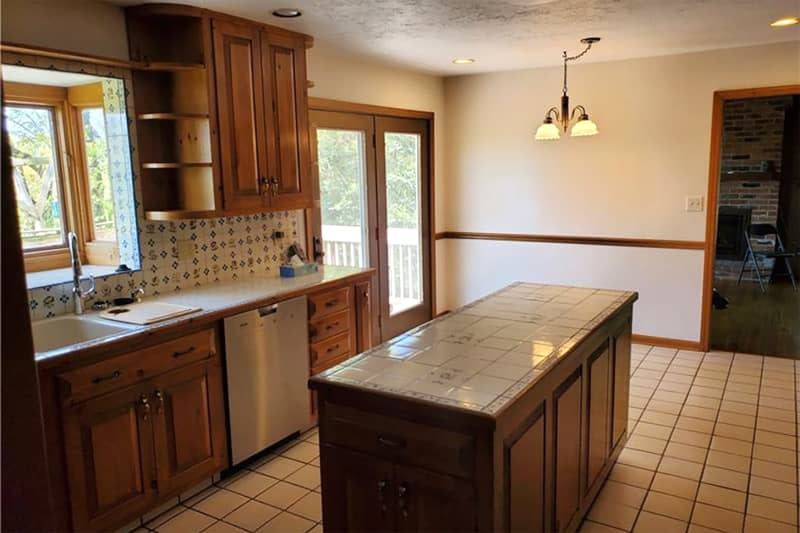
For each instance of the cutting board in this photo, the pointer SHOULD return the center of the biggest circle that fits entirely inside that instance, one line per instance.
(146, 312)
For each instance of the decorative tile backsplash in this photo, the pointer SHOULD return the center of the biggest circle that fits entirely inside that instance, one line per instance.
(190, 253)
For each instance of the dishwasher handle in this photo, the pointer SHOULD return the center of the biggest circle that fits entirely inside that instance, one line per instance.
(268, 310)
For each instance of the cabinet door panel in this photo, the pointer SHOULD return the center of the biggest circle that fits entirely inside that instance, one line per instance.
(599, 413)
(188, 424)
(525, 468)
(567, 404)
(284, 71)
(427, 501)
(109, 449)
(240, 106)
(358, 492)
(621, 376)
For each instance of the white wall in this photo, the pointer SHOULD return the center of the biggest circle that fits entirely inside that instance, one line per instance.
(631, 180)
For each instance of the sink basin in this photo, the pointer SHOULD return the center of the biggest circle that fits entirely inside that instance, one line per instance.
(58, 332)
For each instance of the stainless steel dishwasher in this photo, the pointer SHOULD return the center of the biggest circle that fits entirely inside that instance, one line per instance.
(266, 354)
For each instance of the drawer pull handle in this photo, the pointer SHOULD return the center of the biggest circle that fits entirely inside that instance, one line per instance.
(382, 486)
(391, 442)
(113, 375)
(181, 353)
(331, 326)
(332, 349)
(331, 303)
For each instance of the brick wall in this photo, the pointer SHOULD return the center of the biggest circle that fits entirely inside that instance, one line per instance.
(752, 134)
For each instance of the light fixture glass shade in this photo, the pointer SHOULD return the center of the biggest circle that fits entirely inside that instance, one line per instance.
(547, 132)
(584, 128)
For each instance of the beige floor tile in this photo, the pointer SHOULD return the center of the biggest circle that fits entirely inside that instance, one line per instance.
(703, 401)
(776, 426)
(778, 440)
(770, 488)
(612, 514)
(770, 470)
(639, 459)
(734, 432)
(669, 396)
(675, 486)
(711, 383)
(772, 509)
(594, 527)
(623, 494)
(680, 468)
(707, 392)
(749, 409)
(692, 438)
(646, 444)
(671, 386)
(649, 523)
(252, 515)
(757, 524)
(652, 430)
(189, 520)
(282, 495)
(309, 506)
(280, 467)
(668, 505)
(631, 475)
(694, 528)
(699, 412)
(776, 455)
(315, 462)
(222, 527)
(308, 477)
(302, 451)
(316, 529)
(670, 408)
(741, 397)
(694, 424)
(716, 518)
(694, 454)
(738, 463)
(776, 403)
(655, 417)
(287, 523)
(749, 388)
(248, 483)
(732, 446)
(164, 516)
(737, 419)
(220, 503)
(784, 415)
(733, 500)
(725, 478)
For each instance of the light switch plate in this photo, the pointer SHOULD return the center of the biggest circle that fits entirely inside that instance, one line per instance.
(694, 204)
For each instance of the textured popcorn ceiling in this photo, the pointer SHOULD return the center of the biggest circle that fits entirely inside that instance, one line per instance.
(514, 34)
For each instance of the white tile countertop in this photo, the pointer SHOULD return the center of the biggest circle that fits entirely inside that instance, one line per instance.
(213, 300)
(484, 354)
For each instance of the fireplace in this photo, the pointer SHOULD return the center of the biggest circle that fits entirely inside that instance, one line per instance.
(731, 225)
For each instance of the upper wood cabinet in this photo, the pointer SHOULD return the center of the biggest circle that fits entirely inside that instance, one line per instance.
(223, 113)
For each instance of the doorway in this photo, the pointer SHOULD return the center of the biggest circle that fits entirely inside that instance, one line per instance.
(753, 231)
(373, 208)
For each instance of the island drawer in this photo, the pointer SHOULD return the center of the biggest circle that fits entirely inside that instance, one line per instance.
(329, 302)
(328, 326)
(111, 374)
(332, 348)
(395, 439)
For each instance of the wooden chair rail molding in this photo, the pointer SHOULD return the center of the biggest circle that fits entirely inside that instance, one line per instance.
(574, 239)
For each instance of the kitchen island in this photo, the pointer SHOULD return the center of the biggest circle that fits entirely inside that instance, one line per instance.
(506, 415)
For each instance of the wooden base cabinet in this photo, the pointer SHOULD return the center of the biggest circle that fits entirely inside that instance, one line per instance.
(391, 463)
(131, 448)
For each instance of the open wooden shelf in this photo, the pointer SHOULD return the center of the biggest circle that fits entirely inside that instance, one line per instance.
(172, 116)
(161, 166)
(180, 214)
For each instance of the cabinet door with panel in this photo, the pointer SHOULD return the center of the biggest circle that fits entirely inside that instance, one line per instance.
(621, 383)
(284, 76)
(240, 105)
(567, 417)
(427, 501)
(599, 413)
(359, 492)
(188, 424)
(108, 444)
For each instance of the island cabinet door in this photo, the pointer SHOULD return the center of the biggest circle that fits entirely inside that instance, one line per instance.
(358, 492)
(109, 452)
(599, 411)
(567, 448)
(188, 425)
(621, 382)
(427, 501)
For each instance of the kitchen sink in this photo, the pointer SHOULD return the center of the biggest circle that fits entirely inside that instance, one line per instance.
(58, 332)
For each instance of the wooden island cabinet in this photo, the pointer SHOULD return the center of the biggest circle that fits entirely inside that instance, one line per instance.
(504, 416)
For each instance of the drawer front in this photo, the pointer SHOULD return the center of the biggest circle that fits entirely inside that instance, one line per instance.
(327, 303)
(395, 439)
(332, 348)
(328, 326)
(106, 376)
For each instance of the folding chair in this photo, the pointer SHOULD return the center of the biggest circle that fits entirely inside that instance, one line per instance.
(759, 232)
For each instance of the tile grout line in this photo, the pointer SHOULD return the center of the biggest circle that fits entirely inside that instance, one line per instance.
(753, 444)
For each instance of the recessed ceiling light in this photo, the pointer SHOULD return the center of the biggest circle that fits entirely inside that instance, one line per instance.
(463, 61)
(785, 21)
(287, 13)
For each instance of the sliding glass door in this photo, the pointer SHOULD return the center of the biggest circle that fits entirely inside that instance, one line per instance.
(373, 209)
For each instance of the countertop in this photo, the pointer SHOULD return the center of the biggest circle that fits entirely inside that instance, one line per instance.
(215, 301)
(488, 352)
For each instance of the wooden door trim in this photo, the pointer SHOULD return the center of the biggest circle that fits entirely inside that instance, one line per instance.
(325, 104)
(575, 239)
(714, 165)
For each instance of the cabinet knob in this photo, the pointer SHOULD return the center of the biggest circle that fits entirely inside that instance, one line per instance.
(160, 397)
(145, 406)
(382, 486)
(402, 504)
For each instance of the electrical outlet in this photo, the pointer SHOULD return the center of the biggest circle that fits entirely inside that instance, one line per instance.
(694, 204)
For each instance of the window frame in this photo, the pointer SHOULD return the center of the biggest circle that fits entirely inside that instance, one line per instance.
(73, 177)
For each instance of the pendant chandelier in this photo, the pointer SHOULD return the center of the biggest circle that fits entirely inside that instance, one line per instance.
(583, 127)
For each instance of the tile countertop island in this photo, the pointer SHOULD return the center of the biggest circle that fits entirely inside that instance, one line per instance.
(504, 415)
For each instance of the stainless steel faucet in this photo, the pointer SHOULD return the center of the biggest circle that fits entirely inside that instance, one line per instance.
(79, 294)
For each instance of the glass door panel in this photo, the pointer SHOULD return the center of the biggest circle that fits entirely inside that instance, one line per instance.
(343, 196)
